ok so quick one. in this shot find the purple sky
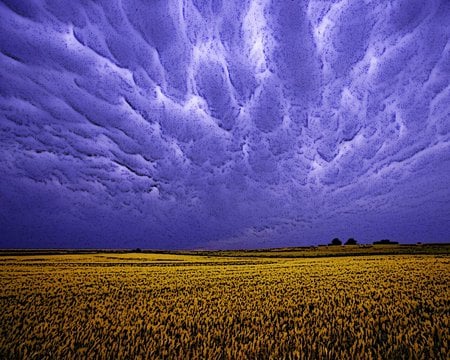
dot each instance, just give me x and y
(223, 124)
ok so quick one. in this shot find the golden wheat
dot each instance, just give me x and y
(145, 306)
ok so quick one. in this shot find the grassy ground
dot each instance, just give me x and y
(347, 250)
(291, 252)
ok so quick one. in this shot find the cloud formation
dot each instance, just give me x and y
(223, 124)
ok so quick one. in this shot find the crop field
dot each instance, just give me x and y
(168, 306)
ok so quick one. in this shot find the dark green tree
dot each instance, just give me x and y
(336, 241)
(351, 241)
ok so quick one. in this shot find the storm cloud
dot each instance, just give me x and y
(223, 124)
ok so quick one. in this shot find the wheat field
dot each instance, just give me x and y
(167, 306)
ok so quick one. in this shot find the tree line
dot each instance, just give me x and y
(352, 241)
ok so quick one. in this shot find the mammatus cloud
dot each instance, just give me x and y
(188, 124)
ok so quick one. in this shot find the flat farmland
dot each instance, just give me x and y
(172, 306)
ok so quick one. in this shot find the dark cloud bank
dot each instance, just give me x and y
(223, 124)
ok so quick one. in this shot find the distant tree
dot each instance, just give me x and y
(138, 250)
(336, 241)
(351, 241)
(385, 242)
